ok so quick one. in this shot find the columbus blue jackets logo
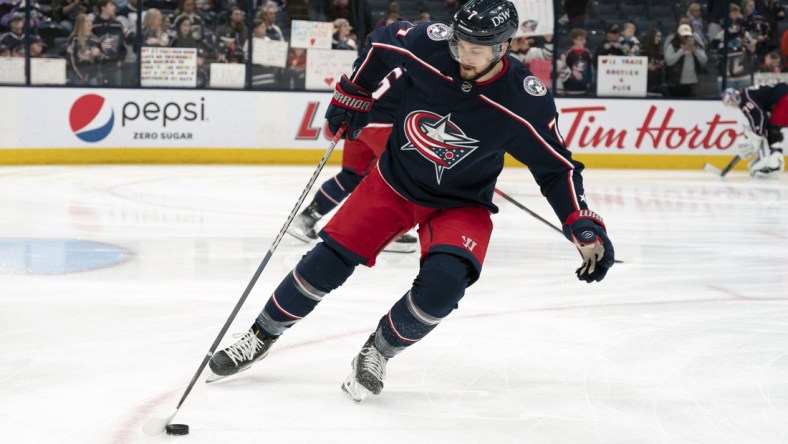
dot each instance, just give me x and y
(438, 140)
(438, 32)
(534, 86)
(91, 118)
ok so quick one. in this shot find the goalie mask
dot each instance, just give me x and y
(731, 97)
(479, 30)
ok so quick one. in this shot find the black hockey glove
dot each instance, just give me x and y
(349, 107)
(587, 231)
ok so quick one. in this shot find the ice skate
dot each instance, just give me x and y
(303, 226)
(403, 244)
(240, 356)
(368, 372)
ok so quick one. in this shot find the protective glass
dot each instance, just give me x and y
(470, 54)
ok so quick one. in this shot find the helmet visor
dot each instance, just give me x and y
(471, 54)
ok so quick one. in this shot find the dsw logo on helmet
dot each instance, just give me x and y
(486, 22)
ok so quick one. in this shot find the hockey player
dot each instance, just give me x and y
(465, 104)
(766, 110)
(359, 156)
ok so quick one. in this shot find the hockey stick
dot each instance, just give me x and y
(532, 213)
(722, 172)
(154, 426)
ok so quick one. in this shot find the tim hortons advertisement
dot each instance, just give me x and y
(598, 126)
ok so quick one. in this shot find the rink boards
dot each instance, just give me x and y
(164, 126)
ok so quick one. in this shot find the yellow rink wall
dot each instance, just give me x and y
(43, 126)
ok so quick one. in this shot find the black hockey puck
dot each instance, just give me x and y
(177, 429)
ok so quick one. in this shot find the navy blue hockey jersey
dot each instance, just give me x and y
(757, 101)
(450, 136)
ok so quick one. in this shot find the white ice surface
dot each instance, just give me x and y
(685, 342)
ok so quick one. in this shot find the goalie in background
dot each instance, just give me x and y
(766, 110)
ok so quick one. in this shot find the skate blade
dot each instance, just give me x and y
(300, 236)
(353, 390)
(213, 377)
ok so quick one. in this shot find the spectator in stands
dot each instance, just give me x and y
(4, 51)
(259, 31)
(652, 48)
(695, 14)
(758, 28)
(15, 35)
(66, 12)
(715, 15)
(630, 44)
(205, 9)
(232, 35)
(611, 46)
(36, 48)
(773, 63)
(578, 73)
(37, 15)
(390, 17)
(295, 74)
(424, 17)
(774, 12)
(684, 58)
(351, 10)
(189, 9)
(737, 49)
(268, 15)
(184, 37)
(153, 31)
(342, 38)
(111, 35)
(526, 49)
(84, 52)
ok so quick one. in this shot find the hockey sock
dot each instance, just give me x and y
(319, 272)
(336, 189)
(435, 293)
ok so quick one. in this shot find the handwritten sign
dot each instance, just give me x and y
(269, 53)
(306, 34)
(43, 71)
(174, 67)
(622, 76)
(228, 75)
(12, 70)
(324, 67)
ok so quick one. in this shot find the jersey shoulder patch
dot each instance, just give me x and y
(534, 86)
(438, 32)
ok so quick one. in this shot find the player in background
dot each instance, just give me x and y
(466, 103)
(766, 110)
(359, 156)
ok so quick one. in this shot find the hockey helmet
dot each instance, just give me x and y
(484, 22)
(731, 97)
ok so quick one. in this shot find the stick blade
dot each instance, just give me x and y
(712, 169)
(156, 426)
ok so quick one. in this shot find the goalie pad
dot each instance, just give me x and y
(768, 166)
(750, 144)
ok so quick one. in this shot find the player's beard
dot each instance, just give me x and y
(470, 72)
